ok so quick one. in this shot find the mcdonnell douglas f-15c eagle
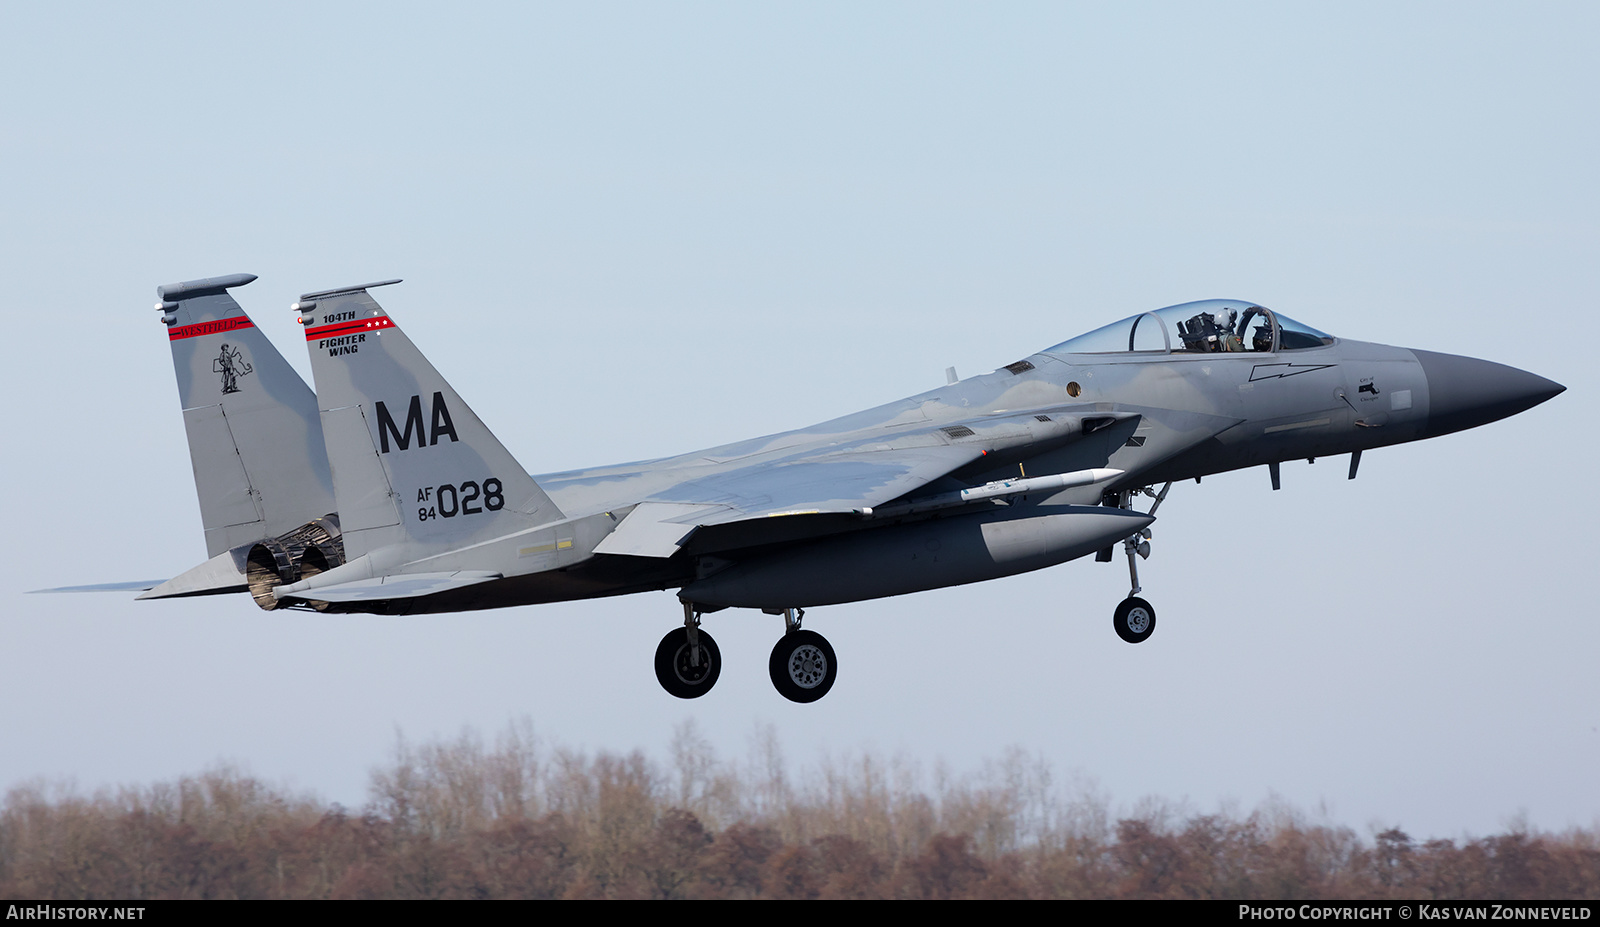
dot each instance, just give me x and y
(382, 491)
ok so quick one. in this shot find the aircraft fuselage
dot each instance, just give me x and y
(1034, 464)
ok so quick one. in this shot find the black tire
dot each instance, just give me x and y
(1135, 620)
(672, 664)
(803, 666)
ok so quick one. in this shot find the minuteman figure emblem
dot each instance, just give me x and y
(232, 365)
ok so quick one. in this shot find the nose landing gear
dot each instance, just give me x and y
(1135, 619)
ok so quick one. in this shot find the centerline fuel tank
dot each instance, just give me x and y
(997, 540)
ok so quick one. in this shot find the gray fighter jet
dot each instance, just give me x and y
(382, 491)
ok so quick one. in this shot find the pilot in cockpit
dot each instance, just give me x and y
(1210, 333)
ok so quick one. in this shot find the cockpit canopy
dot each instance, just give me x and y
(1210, 326)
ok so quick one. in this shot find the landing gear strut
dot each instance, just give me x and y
(1135, 619)
(687, 660)
(802, 666)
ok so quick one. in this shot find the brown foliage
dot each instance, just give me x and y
(457, 819)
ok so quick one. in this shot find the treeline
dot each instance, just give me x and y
(460, 819)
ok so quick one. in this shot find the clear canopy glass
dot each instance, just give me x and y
(1210, 326)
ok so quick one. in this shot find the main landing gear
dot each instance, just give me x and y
(1135, 619)
(687, 660)
(803, 666)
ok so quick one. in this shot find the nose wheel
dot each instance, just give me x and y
(803, 666)
(1134, 620)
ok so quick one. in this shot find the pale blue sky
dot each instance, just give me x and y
(634, 230)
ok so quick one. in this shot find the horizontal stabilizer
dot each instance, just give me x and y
(135, 586)
(397, 586)
(221, 574)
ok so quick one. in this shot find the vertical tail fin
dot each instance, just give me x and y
(255, 442)
(412, 464)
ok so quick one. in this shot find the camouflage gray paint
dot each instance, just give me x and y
(1028, 466)
(1170, 409)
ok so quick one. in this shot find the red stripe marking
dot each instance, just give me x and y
(349, 328)
(209, 328)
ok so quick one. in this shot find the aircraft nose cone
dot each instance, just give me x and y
(1465, 392)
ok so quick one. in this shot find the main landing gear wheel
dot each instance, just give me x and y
(678, 671)
(1135, 620)
(803, 666)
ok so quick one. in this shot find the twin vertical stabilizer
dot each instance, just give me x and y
(414, 469)
(255, 442)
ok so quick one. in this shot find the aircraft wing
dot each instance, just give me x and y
(831, 482)
(836, 474)
(829, 479)
(836, 482)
